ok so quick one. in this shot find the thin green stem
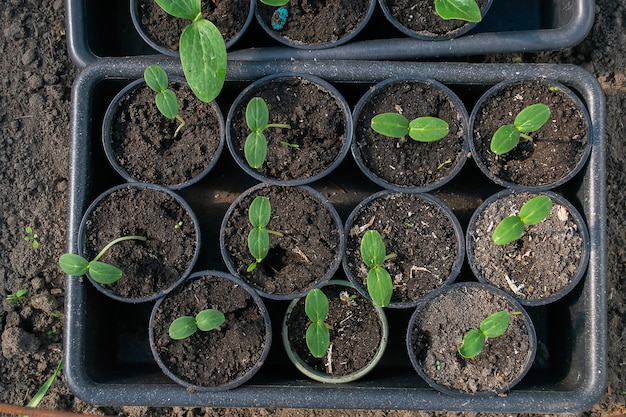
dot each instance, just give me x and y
(525, 136)
(180, 126)
(272, 232)
(119, 239)
(279, 125)
(391, 256)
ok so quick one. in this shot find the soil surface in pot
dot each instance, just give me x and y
(318, 128)
(151, 266)
(355, 334)
(229, 16)
(543, 262)
(419, 232)
(316, 22)
(420, 17)
(410, 163)
(438, 332)
(218, 356)
(297, 261)
(143, 139)
(557, 147)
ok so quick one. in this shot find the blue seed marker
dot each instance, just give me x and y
(279, 18)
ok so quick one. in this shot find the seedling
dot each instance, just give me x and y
(34, 402)
(467, 10)
(206, 320)
(202, 49)
(421, 129)
(179, 226)
(258, 238)
(101, 272)
(32, 237)
(17, 297)
(317, 332)
(257, 119)
(532, 212)
(374, 254)
(529, 120)
(492, 326)
(165, 99)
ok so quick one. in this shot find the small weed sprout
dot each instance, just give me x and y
(258, 238)
(34, 402)
(101, 272)
(165, 99)
(317, 332)
(467, 10)
(532, 212)
(374, 254)
(492, 326)
(421, 129)
(206, 320)
(529, 120)
(17, 296)
(32, 237)
(257, 119)
(179, 226)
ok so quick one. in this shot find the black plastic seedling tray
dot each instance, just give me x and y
(105, 29)
(108, 360)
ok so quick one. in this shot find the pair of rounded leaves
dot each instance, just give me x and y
(165, 99)
(77, 266)
(205, 320)
(374, 254)
(530, 119)
(493, 326)
(202, 49)
(317, 333)
(421, 129)
(467, 10)
(532, 212)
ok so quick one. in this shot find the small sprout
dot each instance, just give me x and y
(179, 225)
(467, 10)
(34, 402)
(438, 365)
(101, 272)
(257, 119)
(374, 254)
(317, 333)
(554, 88)
(291, 145)
(444, 163)
(165, 99)
(32, 237)
(529, 120)
(17, 297)
(258, 238)
(532, 212)
(493, 326)
(421, 129)
(206, 320)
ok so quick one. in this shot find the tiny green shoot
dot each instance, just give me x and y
(257, 119)
(165, 99)
(444, 163)
(206, 320)
(532, 212)
(34, 402)
(258, 238)
(101, 272)
(554, 88)
(529, 120)
(420, 129)
(317, 332)
(374, 254)
(32, 237)
(275, 2)
(467, 10)
(492, 326)
(179, 225)
(17, 297)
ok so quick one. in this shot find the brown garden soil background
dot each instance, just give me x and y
(35, 82)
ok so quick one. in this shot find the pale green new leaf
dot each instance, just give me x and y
(393, 125)
(532, 118)
(167, 103)
(467, 10)
(496, 324)
(535, 210)
(505, 139)
(209, 319)
(428, 129)
(508, 230)
(156, 78)
(472, 344)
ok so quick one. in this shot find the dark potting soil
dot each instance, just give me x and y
(218, 356)
(302, 257)
(557, 147)
(229, 16)
(355, 334)
(151, 266)
(541, 263)
(420, 17)
(143, 139)
(419, 232)
(438, 332)
(317, 123)
(410, 163)
(315, 22)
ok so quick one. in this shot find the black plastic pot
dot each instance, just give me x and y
(106, 30)
(108, 360)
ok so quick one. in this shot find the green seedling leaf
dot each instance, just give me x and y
(34, 402)
(316, 305)
(379, 286)
(428, 129)
(257, 119)
(74, 265)
(260, 211)
(185, 9)
(373, 249)
(255, 149)
(317, 334)
(535, 210)
(167, 103)
(317, 339)
(472, 344)
(156, 78)
(466, 10)
(393, 125)
(209, 319)
(182, 328)
(258, 244)
(275, 2)
(17, 297)
(259, 215)
(104, 273)
(505, 139)
(532, 118)
(257, 115)
(496, 324)
(508, 230)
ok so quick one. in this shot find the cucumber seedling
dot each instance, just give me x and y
(420, 129)
(32, 237)
(529, 120)
(532, 212)
(317, 332)
(257, 119)
(467, 10)
(374, 254)
(100, 272)
(165, 99)
(492, 326)
(259, 236)
(206, 320)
